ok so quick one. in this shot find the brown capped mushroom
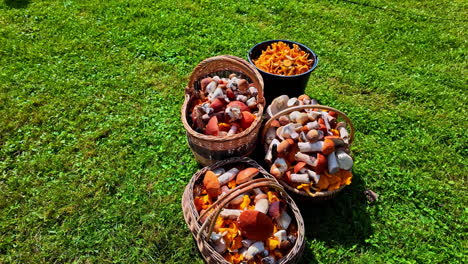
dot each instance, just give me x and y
(255, 225)
(246, 175)
(211, 184)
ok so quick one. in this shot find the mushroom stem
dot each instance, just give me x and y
(310, 147)
(261, 205)
(345, 161)
(299, 178)
(270, 135)
(284, 220)
(228, 176)
(232, 130)
(309, 160)
(230, 213)
(272, 151)
(281, 235)
(312, 175)
(332, 163)
(253, 250)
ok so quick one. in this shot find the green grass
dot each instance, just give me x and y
(93, 156)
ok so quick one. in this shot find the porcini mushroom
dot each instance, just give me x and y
(272, 151)
(285, 145)
(255, 225)
(345, 161)
(332, 163)
(253, 250)
(246, 175)
(211, 184)
(228, 176)
(279, 167)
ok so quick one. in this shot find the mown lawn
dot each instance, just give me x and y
(93, 156)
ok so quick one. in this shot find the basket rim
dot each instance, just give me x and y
(295, 191)
(190, 213)
(260, 99)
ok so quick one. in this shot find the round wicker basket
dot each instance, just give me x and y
(209, 149)
(294, 192)
(200, 230)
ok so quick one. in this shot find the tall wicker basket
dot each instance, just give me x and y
(209, 149)
(300, 195)
(200, 230)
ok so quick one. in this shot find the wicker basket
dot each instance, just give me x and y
(209, 149)
(294, 192)
(201, 231)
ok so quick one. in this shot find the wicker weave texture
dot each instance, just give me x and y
(200, 231)
(203, 146)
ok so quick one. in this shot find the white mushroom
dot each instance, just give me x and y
(253, 91)
(284, 220)
(211, 86)
(261, 203)
(345, 161)
(230, 213)
(270, 155)
(293, 102)
(241, 98)
(253, 250)
(310, 147)
(309, 160)
(281, 235)
(252, 102)
(299, 178)
(312, 175)
(232, 130)
(341, 126)
(278, 104)
(228, 176)
(270, 135)
(234, 113)
(332, 163)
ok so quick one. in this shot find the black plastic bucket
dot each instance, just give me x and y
(276, 85)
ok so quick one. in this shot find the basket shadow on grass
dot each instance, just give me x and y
(342, 221)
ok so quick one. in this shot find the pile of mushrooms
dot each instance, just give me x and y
(309, 150)
(224, 106)
(255, 227)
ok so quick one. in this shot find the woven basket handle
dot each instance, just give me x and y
(304, 107)
(211, 220)
(245, 67)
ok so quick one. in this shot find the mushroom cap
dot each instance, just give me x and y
(243, 85)
(322, 164)
(284, 145)
(212, 128)
(299, 166)
(328, 146)
(217, 105)
(247, 119)
(211, 184)
(275, 123)
(255, 225)
(303, 96)
(246, 175)
(241, 105)
(204, 82)
(339, 142)
(276, 209)
(313, 135)
(230, 94)
(284, 120)
(275, 171)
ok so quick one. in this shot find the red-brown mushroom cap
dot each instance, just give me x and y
(299, 166)
(255, 225)
(204, 82)
(321, 164)
(243, 85)
(217, 105)
(241, 105)
(246, 175)
(338, 141)
(275, 123)
(212, 128)
(230, 94)
(247, 119)
(211, 184)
